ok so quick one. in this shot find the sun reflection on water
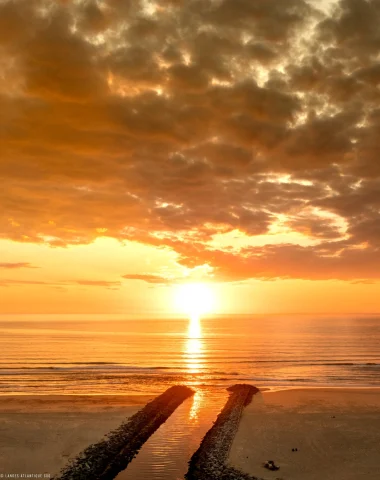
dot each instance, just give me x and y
(194, 345)
(198, 399)
(193, 355)
(193, 359)
(195, 329)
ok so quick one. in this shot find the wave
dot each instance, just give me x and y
(306, 364)
(89, 366)
(121, 366)
(67, 363)
(352, 364)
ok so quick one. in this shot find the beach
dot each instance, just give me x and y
(189, 217)
(336, 432)
(40, 434)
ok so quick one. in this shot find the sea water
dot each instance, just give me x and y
(71, 354)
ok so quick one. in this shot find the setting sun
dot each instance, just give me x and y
(194, 299)
(189, 227)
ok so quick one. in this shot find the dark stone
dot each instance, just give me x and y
(270, 465)
(104, 460)
(209, 461)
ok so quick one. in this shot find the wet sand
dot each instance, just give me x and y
(39, 434)
(336, 432)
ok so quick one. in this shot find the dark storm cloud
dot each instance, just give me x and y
(167, 122)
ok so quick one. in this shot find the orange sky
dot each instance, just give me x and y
(146, 144)
(90, 279)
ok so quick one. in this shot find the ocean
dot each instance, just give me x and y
(74, 354)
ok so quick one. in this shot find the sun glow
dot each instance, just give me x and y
(194, 299)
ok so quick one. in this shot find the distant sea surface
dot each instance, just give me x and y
(114, 355)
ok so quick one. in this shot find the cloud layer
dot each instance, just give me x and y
(112, 285)
(15, 265)
(170, 122)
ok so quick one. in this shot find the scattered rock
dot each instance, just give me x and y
(270, 465)
(209, 462)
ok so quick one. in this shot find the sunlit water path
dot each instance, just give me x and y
(166, 454)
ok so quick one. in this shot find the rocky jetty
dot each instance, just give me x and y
(209, 461)
(104, 460)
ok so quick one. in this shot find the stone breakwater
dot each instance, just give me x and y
(209, 461)
(104, 460)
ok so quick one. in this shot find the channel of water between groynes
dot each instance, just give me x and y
(165, 456)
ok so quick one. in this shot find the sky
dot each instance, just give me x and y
(149, 144)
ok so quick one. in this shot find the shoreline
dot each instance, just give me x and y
(132, 396)
(30, 404)
(315, 387)
(39, 404)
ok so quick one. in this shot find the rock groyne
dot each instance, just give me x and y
(209, 461)
(105, 459)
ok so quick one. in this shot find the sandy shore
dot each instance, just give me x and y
(39, 434)
(336, 432)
